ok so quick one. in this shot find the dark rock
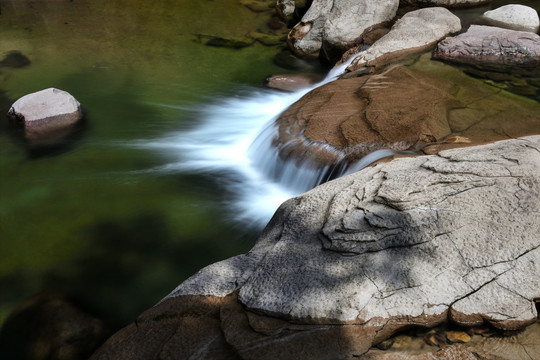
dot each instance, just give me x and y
(49, 326)
(15, 59)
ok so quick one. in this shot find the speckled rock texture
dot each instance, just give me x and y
(492, 48)
(46, 113)
(333, 26)
(415, 31)
(514, 17)
(452, 237)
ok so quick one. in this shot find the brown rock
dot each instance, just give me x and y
(47, 115)
(292, 82)
(457, 336)
(492, 48)
(50, 326)
(349, 118)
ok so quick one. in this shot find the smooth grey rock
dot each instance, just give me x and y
(415, 238)
(514, 17)
(46, 113)
(492, 48)
(415, 31)
(337, 25)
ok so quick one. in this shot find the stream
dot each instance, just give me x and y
(172, 169)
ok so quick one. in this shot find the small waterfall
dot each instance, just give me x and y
(235, 137)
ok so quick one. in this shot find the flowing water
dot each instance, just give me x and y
(172, 169)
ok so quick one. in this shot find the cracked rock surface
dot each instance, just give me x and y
(452, 237)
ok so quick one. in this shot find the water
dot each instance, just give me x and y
(90, 219)
(235, 136)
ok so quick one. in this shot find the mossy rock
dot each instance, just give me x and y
(269, 39)
(232, 42)
(258, 6)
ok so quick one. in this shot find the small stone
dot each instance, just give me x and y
(457, 336)
(435, 339)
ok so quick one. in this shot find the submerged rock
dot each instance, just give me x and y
(334, 26)
(492, 48)
(347, 119)
(415, 241)
(50, 326)
(514, 17)
(414, 32)
(47, 115)
(15, 59)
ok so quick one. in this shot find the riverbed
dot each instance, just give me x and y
(158, 182)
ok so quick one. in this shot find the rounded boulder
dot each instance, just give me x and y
(46, 114)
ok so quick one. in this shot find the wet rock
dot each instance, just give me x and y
(457, 336)
(49, 326)
(446, 3)
(285, 8)
(414, 32)
(287, 60)
(346, 265)
(292, 82)
(47, 116)
(514, 17)
(334, 26)
(233, 43)
(347, 119)
(15, 59)
(492, 48)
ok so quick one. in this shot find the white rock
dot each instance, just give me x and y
(45, 112)
(416, 30)
(415, 238)
(514, 17)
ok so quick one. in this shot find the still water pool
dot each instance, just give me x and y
(89, 220)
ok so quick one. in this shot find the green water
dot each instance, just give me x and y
(84, 220)
(87, 220)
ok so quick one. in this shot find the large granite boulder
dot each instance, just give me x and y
(400, 109)
(451, 237)
(514, 17)
(45, 115)
(446, 3)
(492, 48)
(415, 31)
(337, 25)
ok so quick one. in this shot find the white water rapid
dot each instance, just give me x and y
(234, 137)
